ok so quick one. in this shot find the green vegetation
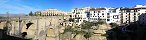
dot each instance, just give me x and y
(113, 25)
(85, 28)
(71, 19)
(31, 14)
(37, 13)
(30, 39)
(104, 35)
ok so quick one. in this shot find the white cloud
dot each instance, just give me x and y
(15, 7)
(3, 1)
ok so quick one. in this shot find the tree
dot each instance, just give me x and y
(88, 35)
(31, 14)
(38, 13)
(101, 22)
(71, 19)
(113, 25)
(85, 28)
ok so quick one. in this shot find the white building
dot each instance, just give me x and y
(142, 19)
(142, 14)
(80, 14)
(110, 15)
(136, 14)
(113, 15)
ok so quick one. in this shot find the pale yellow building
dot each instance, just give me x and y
(50, 12)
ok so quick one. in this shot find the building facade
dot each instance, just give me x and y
(136, 14)
(110, 15)
(113, 15)
(50, 12)
(129, 15)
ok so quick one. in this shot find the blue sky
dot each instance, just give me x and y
(25, 6)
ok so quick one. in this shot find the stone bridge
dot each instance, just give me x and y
(41, 28)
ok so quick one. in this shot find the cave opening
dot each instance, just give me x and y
(24, 34)
(28, 25)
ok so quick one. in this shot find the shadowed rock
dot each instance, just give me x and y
(28, 25)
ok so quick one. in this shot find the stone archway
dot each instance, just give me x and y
(51, 32)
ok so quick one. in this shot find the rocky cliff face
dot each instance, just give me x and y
(35, 27)
(48, 28)
(99, 34)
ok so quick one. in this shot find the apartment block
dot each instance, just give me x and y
(136, 14)
(142, 19)
(113, 15)
(80, 14)
(50, 12)
(129, 15)
(142, 14)
(109, 15)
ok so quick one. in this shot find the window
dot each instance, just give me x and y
(138, 13)
(134, 13)
(96, 18)
(129, 13)
(94, 11)
(134, 16)
(142, 22)
(59, 19)
(108, 19)
(135, 10)
(102, 13)
(128, 10)
(98, 11)
(108, 14)
(74, 10)
(116, 16)
(114, 11)
(126, 22)
(78, 15)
